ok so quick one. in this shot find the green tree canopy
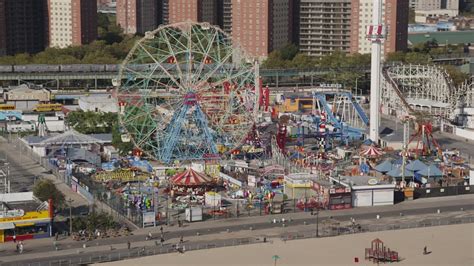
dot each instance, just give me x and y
(45, 190)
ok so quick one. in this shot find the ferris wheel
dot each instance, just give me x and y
(186, 91)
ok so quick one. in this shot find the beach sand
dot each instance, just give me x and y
(449, 245)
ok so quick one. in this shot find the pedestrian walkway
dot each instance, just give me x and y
(24, 171)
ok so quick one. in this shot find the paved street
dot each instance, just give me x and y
(24, 172)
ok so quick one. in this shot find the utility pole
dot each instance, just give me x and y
(317, 222)
(69, 201)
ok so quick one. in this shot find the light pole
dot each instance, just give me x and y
(70, 201)
(317, 221)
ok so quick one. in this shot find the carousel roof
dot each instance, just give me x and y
(190, 178)
(416, 165)
(431, 170)
(371, 151)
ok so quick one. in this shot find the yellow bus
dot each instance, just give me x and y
(47, 107)
(7, 107)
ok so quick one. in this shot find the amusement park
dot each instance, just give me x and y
(209, 139)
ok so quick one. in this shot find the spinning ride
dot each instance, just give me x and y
(186, 91)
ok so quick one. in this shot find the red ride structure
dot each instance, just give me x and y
(425, 140)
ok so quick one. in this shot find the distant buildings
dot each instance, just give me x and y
(324, 26)
(72, 22)
(435, 8)
(193, 10)
(137, 16)
(23, 26)
(261, 26)
(319, 27)
(395, 17)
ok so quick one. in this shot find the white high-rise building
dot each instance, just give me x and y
(72, 22)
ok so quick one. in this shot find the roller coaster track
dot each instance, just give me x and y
(397, 91)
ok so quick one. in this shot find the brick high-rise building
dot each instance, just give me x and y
(138, 16)
(324, 26)
(72, 22)
(23, 26)
(193, 10)
(395, 17)
(261, 26)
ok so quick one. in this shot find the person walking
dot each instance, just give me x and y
(181, 240)
(150, 236)
(56, 236)
(161, 230)
(14, 238)
(162, 240)
(21, 247)
(128, 244)
(17, 248)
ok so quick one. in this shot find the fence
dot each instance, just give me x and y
(324, 231)
(113, 204)
(442, 191)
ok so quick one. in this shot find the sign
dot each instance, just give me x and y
(372, 181)
(339, 190)
(251, 181)
(375, 33)
(12, 214)
(149, 218)
(333, 86)
(27, 216)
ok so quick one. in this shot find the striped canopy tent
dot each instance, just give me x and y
(190, 178)
(371, 151)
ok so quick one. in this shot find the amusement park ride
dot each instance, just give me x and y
(203, 103)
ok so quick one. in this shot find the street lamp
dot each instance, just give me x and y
(317, 221)
(70, 201)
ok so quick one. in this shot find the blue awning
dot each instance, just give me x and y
(384, 167)
(431, 170)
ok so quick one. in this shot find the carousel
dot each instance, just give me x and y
(190, 182)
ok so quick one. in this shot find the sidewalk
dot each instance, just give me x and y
(24, 170)
(271, 234)
(215, 229)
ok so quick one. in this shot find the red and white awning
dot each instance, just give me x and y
(371, 151)
(190, 178)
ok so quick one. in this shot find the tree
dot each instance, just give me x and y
(288, 52)
(456, 75)
(417, 58)
(45, 190)
(123, 147)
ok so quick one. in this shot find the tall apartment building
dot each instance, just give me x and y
(325, 26)
(224, 15)
(261, 26)
(23, 26)
(163, 12)
(72, 22)
(193, 10)
(395, 17)
(138, 16)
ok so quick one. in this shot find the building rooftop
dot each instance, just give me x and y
(442, 37)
